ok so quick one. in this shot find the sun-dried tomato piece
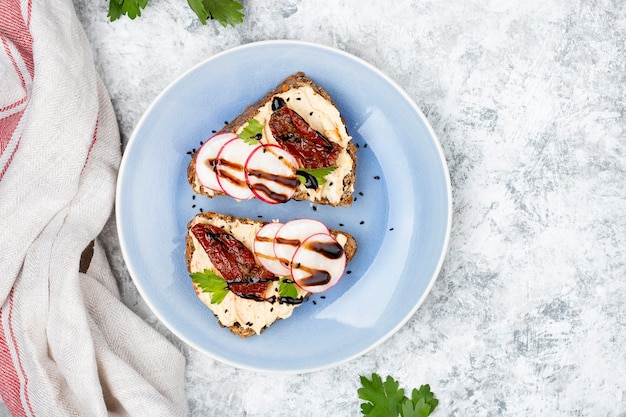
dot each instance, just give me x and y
(252, 290)
(292, 132)
(234, 261)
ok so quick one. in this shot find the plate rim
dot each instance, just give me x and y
(123, 167)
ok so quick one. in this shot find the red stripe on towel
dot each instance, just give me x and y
(14, 28)
(10, 385)
(93, 142)
(15, 31)
(7, 128)
(14, 105)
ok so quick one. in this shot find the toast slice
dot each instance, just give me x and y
(310, 101)
(245, 316)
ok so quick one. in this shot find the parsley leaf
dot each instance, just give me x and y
(314, 177)
(227, 12)
(422, 400)
(210, 282)
(419, 409)
(224, 11)
(131, 8)
(115, 10)
(386, 399)
(382, 398)
(252, 132)
(287, 288)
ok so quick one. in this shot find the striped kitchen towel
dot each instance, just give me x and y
(68, 345)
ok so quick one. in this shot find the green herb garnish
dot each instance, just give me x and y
(131, 8)
(252, 132)
(287, 288)
(227, 12)
(386, 399)
(314, 177)
(210, 282)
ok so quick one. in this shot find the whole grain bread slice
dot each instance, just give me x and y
(232, 225)
(295, 81)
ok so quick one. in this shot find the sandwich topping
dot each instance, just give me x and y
(291, 131)
(322, 117)
(234, 261)
(266, 277)
(299, 142)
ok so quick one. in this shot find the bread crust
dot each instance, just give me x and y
(350, 249)
(296, 80)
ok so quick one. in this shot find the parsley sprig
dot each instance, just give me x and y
(386, 399)
(212, 283)
(287, 288)
(314, 177)
(226, 12)
(252, 132)
(131, 8)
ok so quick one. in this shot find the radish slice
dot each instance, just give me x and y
(231, 160)
(271, 174)
(264, 249)
(318, 263)
(292, 234)
(207, 157)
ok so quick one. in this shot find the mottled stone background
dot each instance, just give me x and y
(528, 98)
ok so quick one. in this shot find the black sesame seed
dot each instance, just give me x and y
(314, 303)
(348, 272)
(271, 309)
(193, 150)
(298, 98)
(355, 198)
(314, 208)
(341, 224)
(213, 131)
(360, 193)
(259, 216)
(193, 197)
(189, 153)
(361, 222)
(365, 145)
(391, 228)
(330, 184)
(225, 122)
(288, 98)
(358, 146)
(201, 143)
(376, 177)
(194, 206)
(323, 297)
(311, 114)
(200, 209)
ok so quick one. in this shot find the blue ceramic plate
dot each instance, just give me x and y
(401, 215)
